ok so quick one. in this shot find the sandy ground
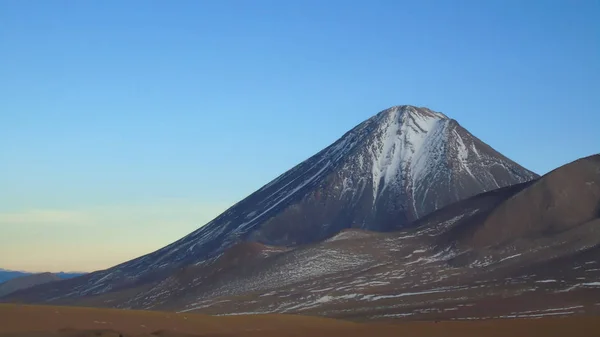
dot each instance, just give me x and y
(38, 321)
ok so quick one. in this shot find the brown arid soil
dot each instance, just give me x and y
(38, 321)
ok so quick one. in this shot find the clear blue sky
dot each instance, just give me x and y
(124, 125)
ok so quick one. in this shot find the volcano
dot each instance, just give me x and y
(387, 172)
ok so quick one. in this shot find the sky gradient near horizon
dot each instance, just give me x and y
(125, 125)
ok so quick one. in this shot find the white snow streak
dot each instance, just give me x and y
(404, 148)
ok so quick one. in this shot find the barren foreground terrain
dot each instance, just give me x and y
(38, 321)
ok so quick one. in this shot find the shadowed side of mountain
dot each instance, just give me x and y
(560, 201)
(559, 207)
(465, 210)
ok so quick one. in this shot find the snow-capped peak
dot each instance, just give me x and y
(405, 139)
(414, 110)
(396, 167)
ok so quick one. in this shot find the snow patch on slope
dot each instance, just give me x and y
(405, 146)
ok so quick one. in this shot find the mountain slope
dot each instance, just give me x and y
(544, 262)
(445, 267)
(394, 168)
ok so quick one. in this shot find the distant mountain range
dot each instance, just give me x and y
(6, 275)
(27, 281)
(408, 215)
(11, 281)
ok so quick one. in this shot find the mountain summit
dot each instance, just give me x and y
(394, 168)
(401, 164)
